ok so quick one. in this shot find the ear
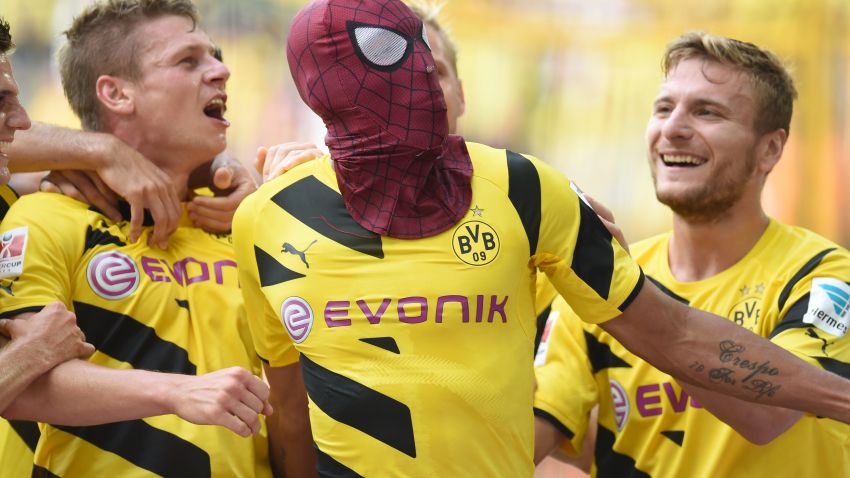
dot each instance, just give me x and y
(462, 98)
(115, 94)
(770, 149)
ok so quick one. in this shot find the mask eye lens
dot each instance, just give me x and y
(380, 46)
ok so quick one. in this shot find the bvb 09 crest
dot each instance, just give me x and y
(475, 243)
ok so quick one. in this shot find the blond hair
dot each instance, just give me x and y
(774, 88)
(103, 41)
(429, 12)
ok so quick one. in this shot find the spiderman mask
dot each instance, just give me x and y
(366, 69)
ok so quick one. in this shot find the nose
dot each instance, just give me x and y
(16, 116)
(677, 125)
(218, 72)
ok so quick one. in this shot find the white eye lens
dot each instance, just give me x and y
(425, 37)
(381, 47)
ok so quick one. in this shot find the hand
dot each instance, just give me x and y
(607, 218)
(52, 333)
(231, 397)
(231, 179)
(130, 175)
(273, 161)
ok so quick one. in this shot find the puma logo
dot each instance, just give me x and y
(290, 249)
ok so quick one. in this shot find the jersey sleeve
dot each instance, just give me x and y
(271, 341)
(814, 313)
(566, 388)
(40, 244)
(587, 266)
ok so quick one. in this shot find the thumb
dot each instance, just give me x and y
(223, 177)
(5, 326)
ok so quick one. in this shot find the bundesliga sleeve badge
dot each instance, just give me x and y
(13, 245)
(829, 302)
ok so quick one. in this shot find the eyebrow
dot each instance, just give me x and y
(698, 102)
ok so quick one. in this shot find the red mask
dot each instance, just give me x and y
(366, 68)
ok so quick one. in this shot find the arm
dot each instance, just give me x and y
(120, 167)
(290, 438)
(38, 343)
(706, 350)
(78, 393)
(759, 424)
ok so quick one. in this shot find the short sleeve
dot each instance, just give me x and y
(271, 341)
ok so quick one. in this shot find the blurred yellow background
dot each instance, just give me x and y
(570, 81)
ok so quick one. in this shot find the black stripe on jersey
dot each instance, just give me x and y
(323, 210)
(601, 356)
(541, 326)
(386, 343)
(125, 210)
(360, 407)
(610, 463)
(183, 304)
(330, 468)
(4, 208)
(100, 237)
(22, 310)
(634, 293)
(668, 292)
(28, 431)
(793, 318)
(805, 270)
(39, 472)
(147, 447)
(593, 258)
(124, 338)
(835, 366)
(555, 422)
(524, 193)
(271, 271)
(676, 436)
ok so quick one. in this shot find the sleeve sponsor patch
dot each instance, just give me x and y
(828, 306)
(543, 349)
(13, 245)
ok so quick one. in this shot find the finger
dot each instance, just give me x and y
(260, 160)
(600, 208)
(137, 216)
(47, 186)
(86, 350)
(259, 389)
(164, 223)
(100, 196)
(4, 327)
(211, 225)
(232, 423)
(223, 177)
(294, 159)
(248, 416)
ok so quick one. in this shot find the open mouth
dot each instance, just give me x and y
(216, 108)
(681, 161)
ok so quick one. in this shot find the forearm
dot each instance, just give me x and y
(757, 423)
(78, 393)
(290, 436)
(711, 352)
(19, 367)
(45, 147)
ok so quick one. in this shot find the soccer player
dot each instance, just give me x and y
(718, 127)
(146, 73)
(399, 272)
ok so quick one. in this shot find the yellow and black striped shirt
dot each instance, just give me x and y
(176, 311)
(417, 354)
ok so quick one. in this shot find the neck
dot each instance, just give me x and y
(701, 249)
